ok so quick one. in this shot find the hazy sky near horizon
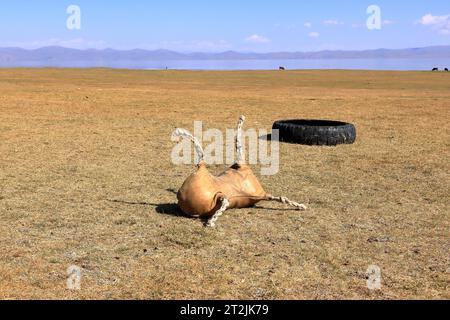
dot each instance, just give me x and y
(212, 26)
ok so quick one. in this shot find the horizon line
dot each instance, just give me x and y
(219, 52)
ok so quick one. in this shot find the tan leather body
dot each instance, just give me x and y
(200, 194)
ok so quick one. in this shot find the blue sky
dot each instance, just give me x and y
(241, 25)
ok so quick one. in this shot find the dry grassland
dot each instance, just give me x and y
(86, 179)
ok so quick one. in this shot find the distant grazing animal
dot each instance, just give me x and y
(282, 68)
(446, 69)
(435, 69)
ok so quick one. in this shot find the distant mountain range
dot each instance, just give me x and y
(13, 56)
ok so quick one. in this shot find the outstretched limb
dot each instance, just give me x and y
(285, 200)
(238, 141)
(212, 221)
(182, 133)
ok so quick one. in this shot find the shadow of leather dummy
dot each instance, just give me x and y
(206, 196)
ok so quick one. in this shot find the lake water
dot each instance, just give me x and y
(363, 64)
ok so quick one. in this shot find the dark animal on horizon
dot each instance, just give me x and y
(282, 68)
(446, 69)
(435, 69)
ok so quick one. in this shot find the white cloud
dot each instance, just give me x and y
(314, 34)
(308, 25)
(256, 38)
(332, 22)
(429, 19)
(439, 23)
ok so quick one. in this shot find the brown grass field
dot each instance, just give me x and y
(86, 179)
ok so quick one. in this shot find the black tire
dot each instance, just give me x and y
(315, 132)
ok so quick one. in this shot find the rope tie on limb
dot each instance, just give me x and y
(238, 141)
(182, 133)
(212, 221)
(285, 200)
